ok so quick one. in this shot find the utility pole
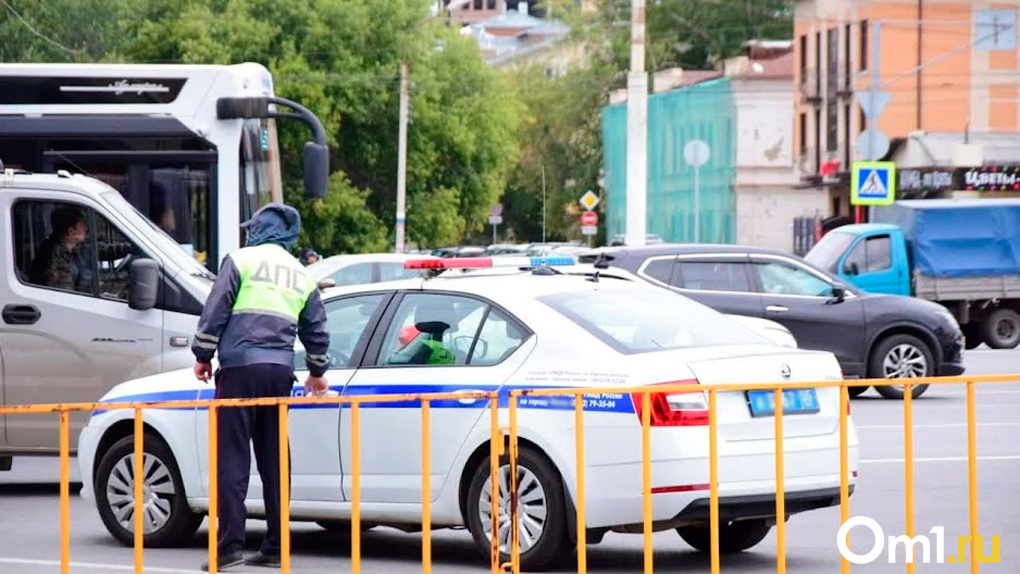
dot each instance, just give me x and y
(637, 128)
(402, 159)
(543, 203)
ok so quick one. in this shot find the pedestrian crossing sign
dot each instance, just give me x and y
(873, 183)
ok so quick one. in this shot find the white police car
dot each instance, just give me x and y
(530, 329)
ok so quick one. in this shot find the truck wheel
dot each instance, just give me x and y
(1001, 329)
(169, 521)
(898, 357)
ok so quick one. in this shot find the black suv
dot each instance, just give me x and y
(872, 335)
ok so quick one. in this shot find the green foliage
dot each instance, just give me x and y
(341, 59)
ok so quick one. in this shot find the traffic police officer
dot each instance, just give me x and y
(261, 299)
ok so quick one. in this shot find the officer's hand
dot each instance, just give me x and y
(316, 385)
(203, 371)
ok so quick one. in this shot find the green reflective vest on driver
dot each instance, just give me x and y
(272, 282)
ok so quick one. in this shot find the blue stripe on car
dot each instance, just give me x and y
(609, 402)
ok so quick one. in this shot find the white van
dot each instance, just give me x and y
(94, 294)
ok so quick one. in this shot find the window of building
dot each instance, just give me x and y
(995, 30)
(818, 139)
(847, 143)
(864, 45)
(803, 134)
(479, 4)
(803, 59)
(818, 63)
(847, 77)
(832, 86)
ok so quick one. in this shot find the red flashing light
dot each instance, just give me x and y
(674, 409)
(455, 263)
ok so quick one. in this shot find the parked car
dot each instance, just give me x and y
(528, 330)
(872, 335)
(344, 270)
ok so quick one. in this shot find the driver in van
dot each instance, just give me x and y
(62, 262)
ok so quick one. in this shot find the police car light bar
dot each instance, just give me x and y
(486, 262)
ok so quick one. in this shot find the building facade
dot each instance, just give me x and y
(946, 67)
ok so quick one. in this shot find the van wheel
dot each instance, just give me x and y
(733, 537)
(901, 357)
(169, 522)
(1001, 329)
(542, 518)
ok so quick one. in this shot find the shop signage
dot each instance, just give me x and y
(924, 179)
(989, 178)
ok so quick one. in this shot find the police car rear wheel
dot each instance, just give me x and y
(168, 520)
(733, 537)
(542, 521)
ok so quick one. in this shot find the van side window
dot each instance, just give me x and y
(872, 254)
(115, 255)
(65, 246)
(52, 244)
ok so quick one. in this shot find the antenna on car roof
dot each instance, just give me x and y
(601, 261)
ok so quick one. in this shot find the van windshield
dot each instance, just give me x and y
(167, 245)
(826, 253)
(644, 320)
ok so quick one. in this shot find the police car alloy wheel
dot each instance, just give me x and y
(168, 519)
(733, 536)
(542, 531)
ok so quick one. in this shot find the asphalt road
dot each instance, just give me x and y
(29, 507)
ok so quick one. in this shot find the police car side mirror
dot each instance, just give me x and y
(326, 283)
(144, 287)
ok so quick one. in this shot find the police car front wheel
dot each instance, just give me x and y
(541, 510)
(167, 519)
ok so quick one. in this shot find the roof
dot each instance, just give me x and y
(682, 249)
(745, 68)
(61, 181)
(932, 149)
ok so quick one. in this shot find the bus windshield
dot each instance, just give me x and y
(171, 248)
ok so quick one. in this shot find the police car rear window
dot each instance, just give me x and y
(649, 320)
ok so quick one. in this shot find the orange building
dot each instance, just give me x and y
(948, 67)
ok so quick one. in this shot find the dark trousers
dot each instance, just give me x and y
(238, 428)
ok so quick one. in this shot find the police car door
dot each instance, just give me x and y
(427, 342)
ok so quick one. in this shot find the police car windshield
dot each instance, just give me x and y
(648, 320)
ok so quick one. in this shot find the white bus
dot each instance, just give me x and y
(193, 147)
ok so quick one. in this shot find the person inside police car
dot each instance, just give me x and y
(261, 299)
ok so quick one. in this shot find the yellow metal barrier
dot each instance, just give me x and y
(497, 452)
(777, 388)
(283, 403)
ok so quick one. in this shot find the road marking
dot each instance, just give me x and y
(941, 425)
(980, 392)
(940, 459)
(94, 565)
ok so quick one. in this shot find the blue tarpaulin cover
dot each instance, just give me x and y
(959, 237)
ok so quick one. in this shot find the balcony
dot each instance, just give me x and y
(807, 164)
(844, 80)
(810, 86)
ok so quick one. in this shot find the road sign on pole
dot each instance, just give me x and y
(589, 218)
(589, 230)
(873, 183)
(589, 200)
(696, 154)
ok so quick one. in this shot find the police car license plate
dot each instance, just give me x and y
(795, 402)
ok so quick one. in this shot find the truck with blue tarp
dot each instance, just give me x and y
(961, 253)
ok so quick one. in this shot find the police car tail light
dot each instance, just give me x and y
(489, 262)
(674, 409)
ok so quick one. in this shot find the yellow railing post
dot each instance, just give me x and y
(139, 474)
(515, 540)
(844, 467)
(646, 478)
(65, 493)
(908, 461)
(495, 450)
(780, 488)
(582, 524)
(713, 478)
(284, 488)
(426, 489)
(214, 494)
(972, 470)
(355, 487)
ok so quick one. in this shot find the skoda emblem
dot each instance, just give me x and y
(784, 370)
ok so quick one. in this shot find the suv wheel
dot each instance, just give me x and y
(168, 520)
(901, 357)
